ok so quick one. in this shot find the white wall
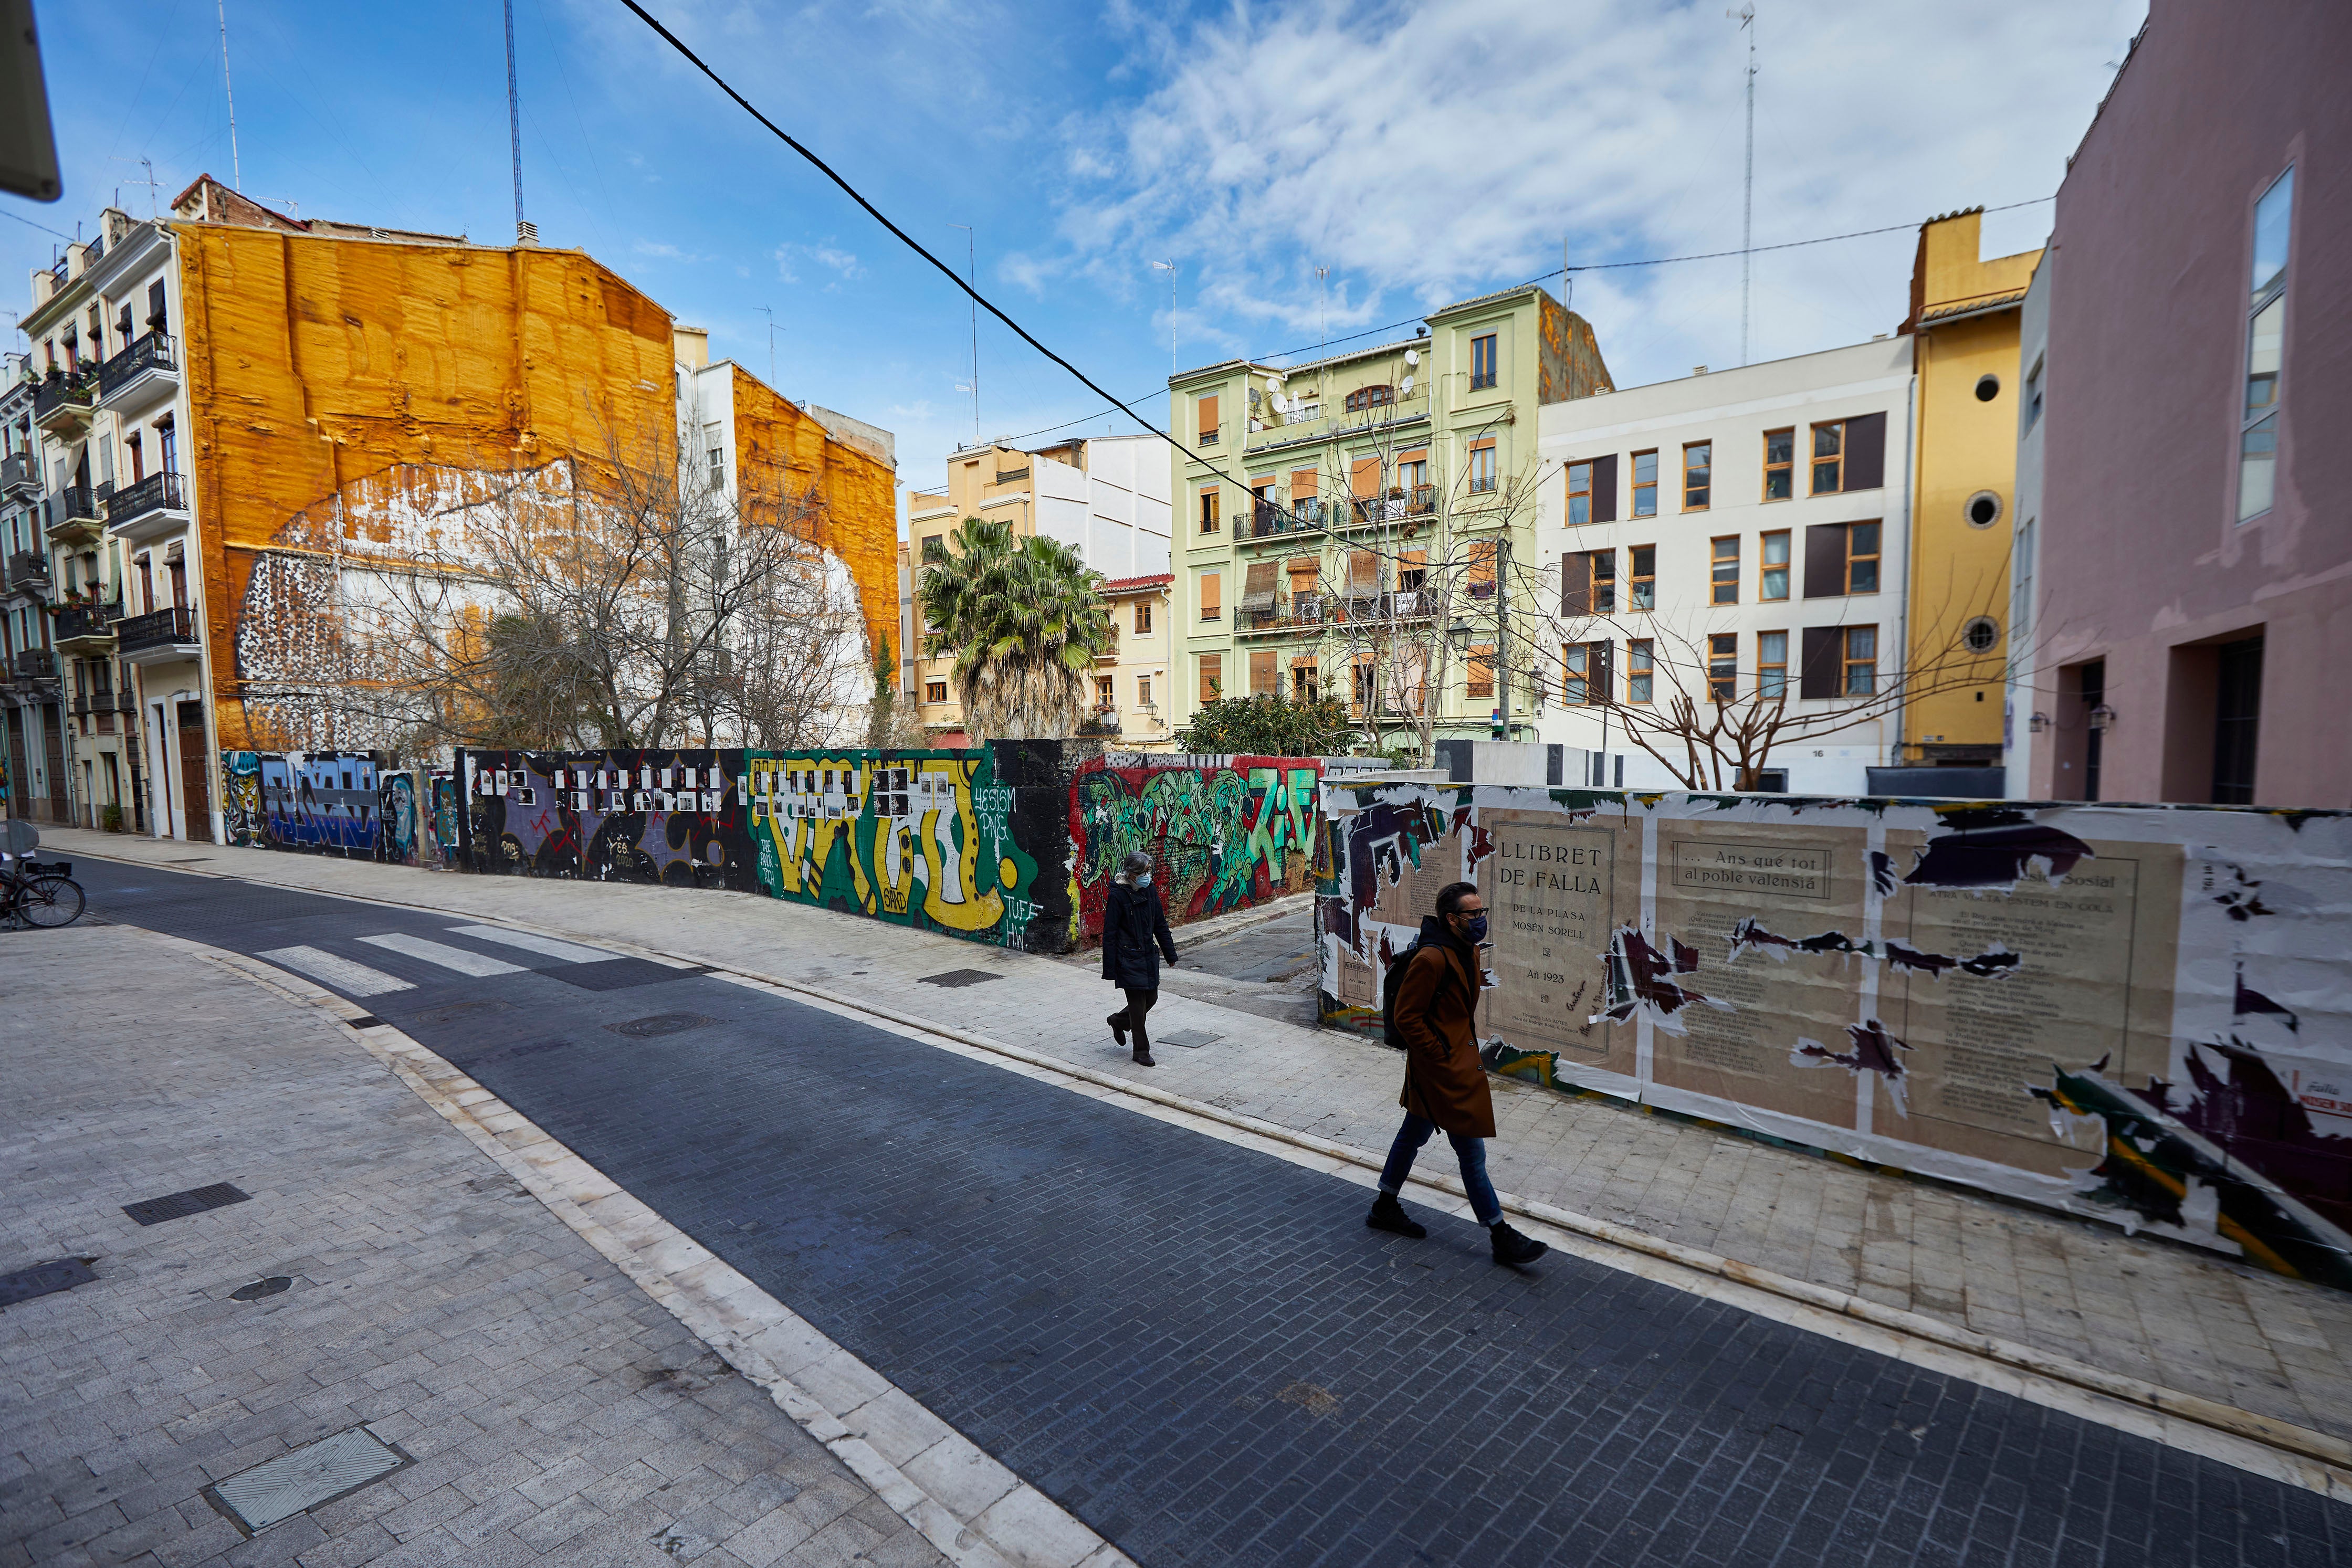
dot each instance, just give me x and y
(2022, 700)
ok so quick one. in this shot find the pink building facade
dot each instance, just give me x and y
(2193, 585)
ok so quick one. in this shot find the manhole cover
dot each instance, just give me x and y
(294, 1483)
(960, 978)
(1191, 1039)
(659, 1024)
(272, 1286)
(180, 1205)
(44, 1279)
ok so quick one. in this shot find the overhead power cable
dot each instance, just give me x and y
(45, 228)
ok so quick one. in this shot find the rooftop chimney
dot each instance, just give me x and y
(526, 233)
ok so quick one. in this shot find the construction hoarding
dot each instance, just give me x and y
(2137, 1013)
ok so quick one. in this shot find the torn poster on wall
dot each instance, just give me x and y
(2139, 1013)
(676, 817)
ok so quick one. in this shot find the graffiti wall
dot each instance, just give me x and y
(2134, 1013)
(675, 817)
(353, 804)
(1224, 833)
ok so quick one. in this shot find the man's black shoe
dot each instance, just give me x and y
(1117, 1022)
(1389, 1215)
(1514, 1249)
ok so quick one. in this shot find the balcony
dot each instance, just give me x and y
(149, 368)
(1270, 518)
(86, 629)
(159, 637)
(1103, 720)
(35, 665)
(28, 572)
(1304, 613)
(20, 475)
(73, 516)
(62, 403)
(158, 498)
(102, 702)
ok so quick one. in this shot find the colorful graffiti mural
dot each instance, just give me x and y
(675, 817)
(2134, 1013)
(1223, 832)
(353, 804)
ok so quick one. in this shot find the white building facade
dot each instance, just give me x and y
(1742, 533)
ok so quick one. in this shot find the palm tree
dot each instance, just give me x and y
(1024, 622)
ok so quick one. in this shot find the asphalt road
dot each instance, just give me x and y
(1199, 1349)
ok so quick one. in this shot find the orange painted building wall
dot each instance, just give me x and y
(780, 449)
(313, 363)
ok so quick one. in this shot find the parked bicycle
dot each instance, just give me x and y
(34, 893)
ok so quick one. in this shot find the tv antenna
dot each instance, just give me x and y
(972, 275)
(153, 207)
(236, 168)
(524, 231)
(1746, 16)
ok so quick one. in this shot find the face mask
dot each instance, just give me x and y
(1143, 879)
(1473, 927)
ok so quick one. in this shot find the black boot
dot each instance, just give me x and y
(1512, 1248)
(1117, 1022)
(1389, 1215)
(1143, 1055)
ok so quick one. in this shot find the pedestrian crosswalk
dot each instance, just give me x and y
(530, 942)
(345, 975)
(441, 952)
(355, 978)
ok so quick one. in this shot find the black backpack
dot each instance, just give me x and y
(1389, 987)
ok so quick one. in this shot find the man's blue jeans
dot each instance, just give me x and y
(1471, 1152)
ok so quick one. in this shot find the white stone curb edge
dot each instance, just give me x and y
(977, 1512)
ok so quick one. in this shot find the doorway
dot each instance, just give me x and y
(195, 773)
(2237, 720)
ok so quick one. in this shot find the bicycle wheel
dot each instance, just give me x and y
(51, 901)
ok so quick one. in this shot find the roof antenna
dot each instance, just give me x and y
(526, 233)
(1747, 19)
(235, 170)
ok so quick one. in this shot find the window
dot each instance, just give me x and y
(1722, 667)
(1587, 582)
(1482, 671)
(1482, 361)
(1482, 468)
(1988, 388)
(1364, 398)
(1579, 494)
(1698, 471)
(935, 548)
(935, 691)
(1209, 510)
(1142, 616)
(1779, 451)
(1723, 584)
(1773, 583)
(1644, 587)
(1639, 671)
(1143, 691)
(1106, 692)
(1860, 674)
(1213, 676)
(1576, 687)
(1212, 596)
(1207, 422)
(1862, 558)
(2265, 345)
(714, 452)
(1263, 680)
(1302, 683)
(1841, 557)
(1829, 455)
(1645, 484)
(1484, 558)
(2033, 395)
(1771, 663)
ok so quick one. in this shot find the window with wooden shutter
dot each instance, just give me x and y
(1305, 484)
(1485, 474)
(1258, 595)
(1306, 588)
(1412, 575)
(1865, 452)
(1208, 423)
(1482, 671)
(1363, 584)
(1824, 561)
(1859, 667)
(1210, 509)
(1829, 458)
(1213, 589)
(1587, 582)
(1213, 676)
(1862, 558)
(1482, 569)
(1364, 478)
(1263, 680)
(1579, 494)
(1823, 648)
(1604, 489)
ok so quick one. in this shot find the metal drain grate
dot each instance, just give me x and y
(297, 1482)
(1191, 1039)
(261, 1288)
(960, 978)
(365, 1020)
(44, 1279)
(659, 1024)
(180, 1205)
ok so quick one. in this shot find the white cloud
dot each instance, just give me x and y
(844, 263)
(1426, 154)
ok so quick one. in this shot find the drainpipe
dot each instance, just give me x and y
(1911, 544)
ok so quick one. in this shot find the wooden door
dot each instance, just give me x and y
(195, 773)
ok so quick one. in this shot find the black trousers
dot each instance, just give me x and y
(1131, 1017)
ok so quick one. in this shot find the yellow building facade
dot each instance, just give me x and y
(1964, 328)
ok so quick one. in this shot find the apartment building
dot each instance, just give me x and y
(2192, 565)
(1740, 537)
(32, 750)
(1340, 516)
(1963, 329)
(1130, 681)
(1105, 496)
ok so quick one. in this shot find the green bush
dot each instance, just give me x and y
(110, 819)
(1267, 727)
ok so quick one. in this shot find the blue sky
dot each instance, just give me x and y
(1420, 153)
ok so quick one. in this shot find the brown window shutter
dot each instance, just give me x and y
(1364, 478)
(1305, 483)
(1576, 584)
(1865, 452)
(1263, 682)
(1208, 414)
(1820, 675)
(1604, 489)
(1824, 561)
(1600, 671)
(1213, 585)
(1258, 588)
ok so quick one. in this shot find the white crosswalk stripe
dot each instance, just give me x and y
(350, 978)
(569, 952)
(448, 958)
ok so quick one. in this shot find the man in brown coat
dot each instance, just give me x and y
(1445, 1082)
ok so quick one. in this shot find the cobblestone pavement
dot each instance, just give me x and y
(2179, 1318)
(555, 1414)
(1196, 1347)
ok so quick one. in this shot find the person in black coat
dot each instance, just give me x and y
(1135, 935)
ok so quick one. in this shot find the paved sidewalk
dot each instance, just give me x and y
(556, 1415)
(2148, 1310)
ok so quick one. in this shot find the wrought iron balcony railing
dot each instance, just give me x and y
(156, 629)
(152, 351)
(159, 492)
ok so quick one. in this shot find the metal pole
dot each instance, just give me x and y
(236, 168)
(1503, 666)
(971, 274)
(1747, 198)
(514, 119)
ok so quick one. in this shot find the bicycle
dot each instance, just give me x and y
(34, 895)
